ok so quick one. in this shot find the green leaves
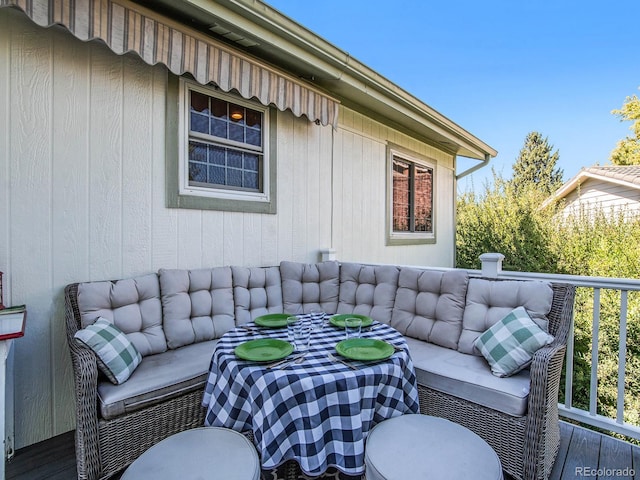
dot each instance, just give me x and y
(510, 221)
(627, 150)
(535, 167)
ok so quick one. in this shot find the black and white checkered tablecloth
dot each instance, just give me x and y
(318, 412)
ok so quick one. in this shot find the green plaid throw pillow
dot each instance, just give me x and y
(117, 356)
(509, 345)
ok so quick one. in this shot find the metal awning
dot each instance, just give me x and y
(128, 27)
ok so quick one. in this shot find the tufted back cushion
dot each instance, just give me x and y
(429, 305)
(132, 304)
(368, 290)
(307, 287)
(197, 304)
(257, 291)
(489, 301)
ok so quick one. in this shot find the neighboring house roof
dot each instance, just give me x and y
(627, 176)
(311, 74)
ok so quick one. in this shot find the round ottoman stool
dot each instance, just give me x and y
(205, 453)
(419, 446)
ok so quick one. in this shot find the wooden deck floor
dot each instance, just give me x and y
(583, 454)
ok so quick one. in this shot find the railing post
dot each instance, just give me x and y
(491, 264)
(327, 254)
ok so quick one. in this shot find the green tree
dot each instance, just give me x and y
(627, 151)
(499, 220)
(535, 166)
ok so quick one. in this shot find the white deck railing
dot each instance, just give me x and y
(492, 267)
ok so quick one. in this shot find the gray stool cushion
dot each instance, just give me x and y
(198, 454)
(425, 447)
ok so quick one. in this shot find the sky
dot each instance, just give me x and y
(499, 68)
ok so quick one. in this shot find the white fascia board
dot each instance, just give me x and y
(357, 82)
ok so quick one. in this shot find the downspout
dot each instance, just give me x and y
(469, 171)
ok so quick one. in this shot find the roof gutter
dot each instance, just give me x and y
(295, 48)
(483, 163)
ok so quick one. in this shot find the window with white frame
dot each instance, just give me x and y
(224, 151)
(411, 199)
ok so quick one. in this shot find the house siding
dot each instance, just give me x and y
(82, 177)
(593, 195)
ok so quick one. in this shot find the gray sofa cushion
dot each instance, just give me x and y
(197, 304)
(132, 304)
(368, 290)
(489, 301)
(158, 378)
(307, 287)
(257, 291)
(429, 305)
(469, 377)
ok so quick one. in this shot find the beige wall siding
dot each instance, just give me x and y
(82, 195)
(608, 197)
(360, 208)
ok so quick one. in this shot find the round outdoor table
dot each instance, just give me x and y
(426, 447)
(317, 412)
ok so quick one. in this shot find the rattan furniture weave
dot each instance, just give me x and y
(104, 447)
(527, 445)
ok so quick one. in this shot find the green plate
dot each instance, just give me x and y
(272, 320)
(364, 349)
(263, 349)
(338, 320)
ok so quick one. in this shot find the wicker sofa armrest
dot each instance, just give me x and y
(546, 369)
(85, 375)
(542, 417)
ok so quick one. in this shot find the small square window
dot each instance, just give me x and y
(225, 157)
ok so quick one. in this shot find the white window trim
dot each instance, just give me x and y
(183, 127)
(409, 238)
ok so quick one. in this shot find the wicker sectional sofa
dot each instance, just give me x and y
(174, 318)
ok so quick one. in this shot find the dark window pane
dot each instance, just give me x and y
(423, 199)
(197, 172)
(251, 162)
(234, 177)
(216, 175)
(401, 196)
(236, 132)
(251, 180)
(199, 123)
(197, 152)
(254, 137)
(234, 159)
(199, 102)
(254, 119)
(217, 155)
(219, 108)
(218, 127)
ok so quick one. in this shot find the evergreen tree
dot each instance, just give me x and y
(627, 151)
(535, 167)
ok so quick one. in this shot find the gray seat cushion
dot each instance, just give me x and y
(197, 304)
(469, 377)
(257, 291)
(159, 377)
(368, 290)
(429, 305)
(489, 301)
(420, 446)
(307, 287)
(132, 304)
(205, 453)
